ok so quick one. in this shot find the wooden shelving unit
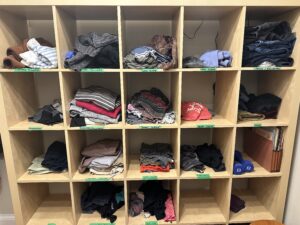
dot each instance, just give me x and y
(199, 199)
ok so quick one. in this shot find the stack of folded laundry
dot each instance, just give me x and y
(94, 51)
(215, 58)
(192, 111)
(95, 104)
(252, 107)
(189, 160)
(54, 161)
(160, 53)
(154, 200)
(102, 158)
(48, 114)
(156, 157)
(269, 44)
(105, 198)
(150, 107)
(31, 53)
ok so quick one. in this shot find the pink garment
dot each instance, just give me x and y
(98, 109)
(169, 211)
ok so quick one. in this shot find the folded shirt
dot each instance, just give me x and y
(105, 147)
(192, 111)
(37, 168)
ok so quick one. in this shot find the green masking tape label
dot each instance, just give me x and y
(205, 126)
(151, 70)
(92, 70)
(257, 125)
(149, 177)
(97, 179)
(267, 68)
(27, 70)
(91, 127)
(51, 223)
(208, 69)
(102, 223)
(35, 128)
(203, 176)
(150, 127)
(151, 223)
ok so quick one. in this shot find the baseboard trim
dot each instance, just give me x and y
(7, 219)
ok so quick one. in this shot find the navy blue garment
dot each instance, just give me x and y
(56, 157)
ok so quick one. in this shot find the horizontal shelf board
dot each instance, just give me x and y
(150, 70)
(29, 70)
(199, 207)
(32, 126)
(259, 171)
(254, 209)
(209, 69)
(140, 220)
(44, 178)
(150, 126)
(95, 218)
(216, 121)
(56, 209)
(209, 173)
(133, 172)
(87, 177)
(98, 127)
(267, 68)
(263, 123)
(92, 70)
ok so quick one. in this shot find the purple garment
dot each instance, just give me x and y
(216, 58)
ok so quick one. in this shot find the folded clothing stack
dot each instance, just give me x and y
(94, 51)
(269, 44)
(215, 58)
(32, 53)
(103, 157)
(153, 199)
(54, 161)
(103, 197)
(189, 160)
(161, 53)
(156, 157)
(259, 107)
(48, 114)
(95, 104)
(192, 111)
(236, 204)
(150, 107)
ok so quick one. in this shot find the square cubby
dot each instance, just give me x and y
(152, 154)
(46, 203)
(32, 94)
(40, 156)
(259, 152)
(212, 147)
(110, 209)
(163, 94)
(270, 37)
(96, 88)
(150, 21)
(254, 199)
(103, 146)
(144, 196)
(267, 95)
(19, 24)
(212, 28)
(217, 92)
(92, 22)
(204, 201)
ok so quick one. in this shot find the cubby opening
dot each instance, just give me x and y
(28, 145)
(260, 196)
(77, 20)
(78, 140)
(46, 203)
(216, 91)
(94, 218)
(168, 83)
(147, 22)
(74, 81)
(19, 23)
(209, 28)
(204, 201)
(171, 185)
(256, 15)
(134, 140)
(25, 93)
(277, 83)
(222, 138)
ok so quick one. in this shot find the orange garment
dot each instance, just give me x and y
(154, 168)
